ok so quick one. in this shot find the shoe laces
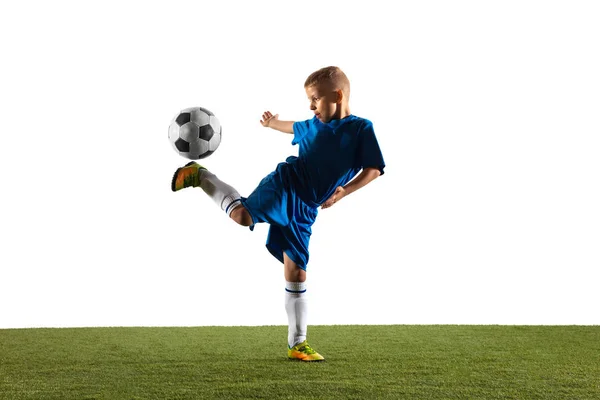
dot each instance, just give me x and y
(306, 349)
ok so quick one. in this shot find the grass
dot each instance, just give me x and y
(363, 362)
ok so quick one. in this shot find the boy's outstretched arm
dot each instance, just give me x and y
(272, 121)
(366, 175)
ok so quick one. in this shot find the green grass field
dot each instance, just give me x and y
(363, 362)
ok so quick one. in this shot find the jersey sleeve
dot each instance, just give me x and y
(370, 155)
(300, 130)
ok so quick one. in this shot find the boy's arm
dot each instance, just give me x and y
(272, 121)
(367, 175)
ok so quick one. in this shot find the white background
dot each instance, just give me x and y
(487, 113)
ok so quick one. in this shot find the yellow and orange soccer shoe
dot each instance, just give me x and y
(186, 176)
(303, 352)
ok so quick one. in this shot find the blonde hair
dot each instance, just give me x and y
(332, 76)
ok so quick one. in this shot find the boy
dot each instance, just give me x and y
(334, 147)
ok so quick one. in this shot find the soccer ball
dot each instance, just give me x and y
(195, 133)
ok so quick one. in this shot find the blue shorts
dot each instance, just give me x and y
(275, 201)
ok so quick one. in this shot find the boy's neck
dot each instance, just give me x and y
(343, 113)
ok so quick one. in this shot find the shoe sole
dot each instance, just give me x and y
(177, 172)
(301, 360)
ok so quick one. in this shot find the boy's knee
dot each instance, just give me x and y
(241, 216)
(292, 272)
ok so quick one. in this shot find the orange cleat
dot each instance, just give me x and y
(186, 176)
(303, 352)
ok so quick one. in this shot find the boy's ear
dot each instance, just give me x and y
(339, 96)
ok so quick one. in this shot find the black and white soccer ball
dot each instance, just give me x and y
(195, 133)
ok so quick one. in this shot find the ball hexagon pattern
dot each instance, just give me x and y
(195, 133)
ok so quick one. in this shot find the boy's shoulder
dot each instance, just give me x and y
(363, 120)
(357, 118)
(353, 122)
(349, 124)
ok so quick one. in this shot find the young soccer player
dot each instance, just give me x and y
(338, 154)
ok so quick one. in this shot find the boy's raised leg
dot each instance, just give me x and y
(195, 175)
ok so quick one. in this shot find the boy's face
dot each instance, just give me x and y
(324, 102)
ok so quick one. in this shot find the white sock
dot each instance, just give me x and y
(224, 195)
(296, 307)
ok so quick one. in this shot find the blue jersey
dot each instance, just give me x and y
(331, 154)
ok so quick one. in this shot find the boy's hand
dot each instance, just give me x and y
(339, 193)
(267, 118)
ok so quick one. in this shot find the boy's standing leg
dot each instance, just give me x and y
(297, 311)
